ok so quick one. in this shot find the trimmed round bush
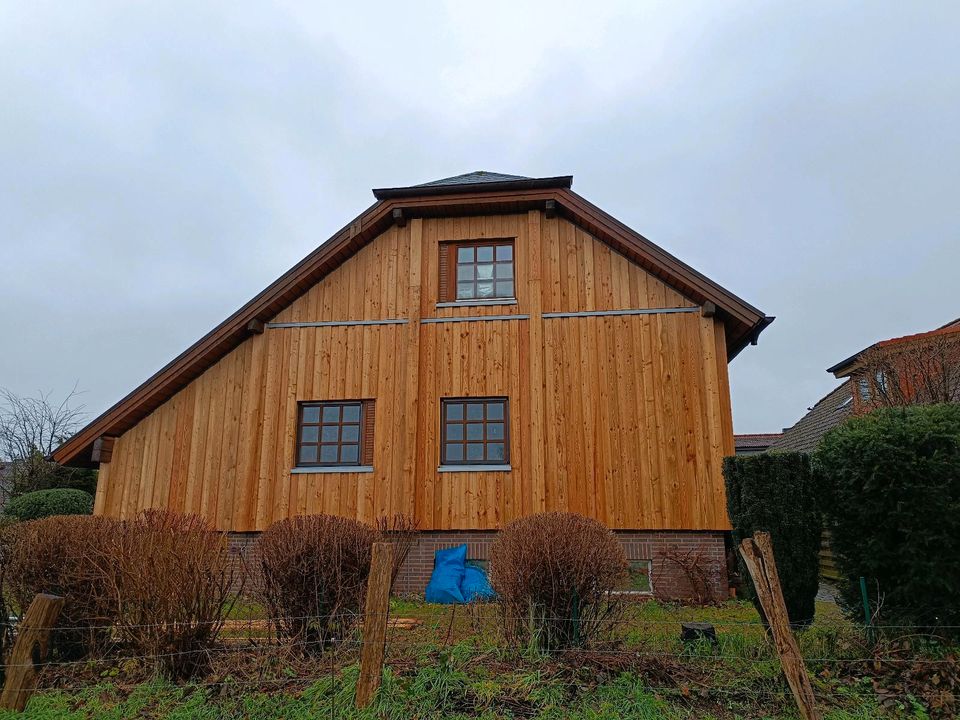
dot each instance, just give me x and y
(555, 574)
(893, 482)
(313, 574)
(777, 492)
(47, 503)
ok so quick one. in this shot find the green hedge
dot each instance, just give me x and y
(893, 483)
(776, 492)
(44, 503)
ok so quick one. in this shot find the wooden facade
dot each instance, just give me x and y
(621, 417)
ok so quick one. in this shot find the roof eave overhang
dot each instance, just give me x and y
(743, 323)
(560, 181)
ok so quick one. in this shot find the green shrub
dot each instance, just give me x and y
(892, 480)
(776, 492)
(46, 503)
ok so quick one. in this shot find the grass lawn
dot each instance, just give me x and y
(454, 665)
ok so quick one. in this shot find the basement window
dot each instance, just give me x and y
(477, 271)
(333, 435)
(475, 434)
(638, 578)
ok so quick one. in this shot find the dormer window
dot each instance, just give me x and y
(476, 271)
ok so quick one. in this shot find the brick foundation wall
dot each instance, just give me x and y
(668, 550)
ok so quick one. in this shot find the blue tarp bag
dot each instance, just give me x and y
(448, 572)
(476, 586)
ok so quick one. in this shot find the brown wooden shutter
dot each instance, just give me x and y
(445, 285)
(366, 432)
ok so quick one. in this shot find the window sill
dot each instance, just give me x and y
(477, 303)
(473, 468)
(332, 469)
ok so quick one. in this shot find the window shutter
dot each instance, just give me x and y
(445, 292)
(366, 432)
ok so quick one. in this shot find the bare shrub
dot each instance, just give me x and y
(696, 568)
(53, 555)
(555, 574)
(314, 572)
(172, 577)
(402, 532)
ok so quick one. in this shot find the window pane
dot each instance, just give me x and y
(484, 272)
(331, 413)
(505, 288)
(465, 255)
(454, 411)
(485, 289)
(454, 452)
(328, 453)
(495, 451)
(484, 254)
(464, 290)
(350, 433)
(474, 431)
(494, 431)
(454, 431)
(351, 413)
(308, 454)
(475, 451)
(465, 272)
(309, 433)
(349, 453)
(495, 411)
(474, 411)
(504, 252)
(505, 271)
(311, 414)
(330, 433)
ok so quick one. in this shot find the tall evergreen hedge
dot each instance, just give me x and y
(776, 492)
(893, 484)
(45, 503)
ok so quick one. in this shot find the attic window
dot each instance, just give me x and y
(477, 270)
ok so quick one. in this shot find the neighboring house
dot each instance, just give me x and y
(829, 412)
(465, 352)
(914, 369)
(754, 443)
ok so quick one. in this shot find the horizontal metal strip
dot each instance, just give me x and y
(474, 318)
(337, 323)
(637, 311)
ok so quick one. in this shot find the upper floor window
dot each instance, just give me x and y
(332, 434)
(863, 387)
(475, 432)
(476, 271)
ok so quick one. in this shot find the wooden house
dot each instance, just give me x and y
(466, 352)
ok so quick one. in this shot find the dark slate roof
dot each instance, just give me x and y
(805, 435)
(472, 178)
(756, 442)
(477, 181)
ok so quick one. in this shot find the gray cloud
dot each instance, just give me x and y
(161, 164)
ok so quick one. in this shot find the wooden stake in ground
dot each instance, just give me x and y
(30, 650)
(758, 555)
(375, 623)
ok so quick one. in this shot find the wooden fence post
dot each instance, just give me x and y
(29, 650)
(758, 555)
(374, 635)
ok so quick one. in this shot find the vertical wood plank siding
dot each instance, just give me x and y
(622, 417)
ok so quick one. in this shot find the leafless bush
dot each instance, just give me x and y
(401, 531)
(172, 578)
(53, 555)
(695, 569)
(314, 572)
(555, 574)
(6, 555)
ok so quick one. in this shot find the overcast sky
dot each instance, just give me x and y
(162, 163)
